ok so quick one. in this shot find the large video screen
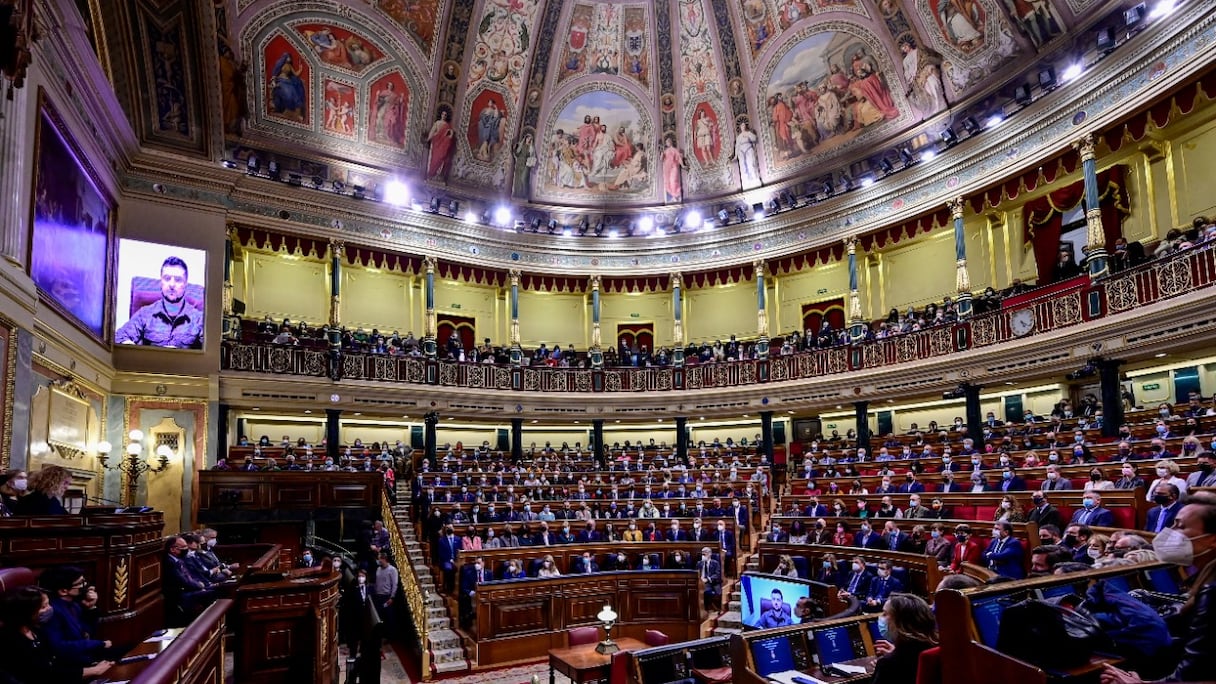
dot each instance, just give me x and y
(160, 295)
(770, 601)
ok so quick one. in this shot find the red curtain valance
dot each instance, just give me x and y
(471, 274)
(1042, 217)
(545, 283)
(1016, 186)
(1161, 114)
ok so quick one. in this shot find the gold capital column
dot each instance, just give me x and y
(336, 248)
(430, 346)
(856, 325)
(517, 353)
(597, 352)
(230, 327)
(1095, 234)
(677, 315)
(962, 279)
(761, 310)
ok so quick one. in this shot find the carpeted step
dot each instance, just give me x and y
(731, 619)
(726, 631)
(445, 639)
(449, 666)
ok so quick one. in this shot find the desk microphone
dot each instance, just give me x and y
(118, 507)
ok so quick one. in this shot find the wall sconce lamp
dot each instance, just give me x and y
(134, 464)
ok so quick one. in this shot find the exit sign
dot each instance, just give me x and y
(822, 290)
(634, 315)
(830, 426)
(1150, 386)
(455, 306)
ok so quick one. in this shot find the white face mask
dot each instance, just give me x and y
(1173, 546)
(1163, 472)
(1094, 553)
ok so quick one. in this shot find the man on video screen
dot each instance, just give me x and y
(170, 321)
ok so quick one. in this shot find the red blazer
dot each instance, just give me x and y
(970, 552)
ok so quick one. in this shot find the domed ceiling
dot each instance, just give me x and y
(590, 103)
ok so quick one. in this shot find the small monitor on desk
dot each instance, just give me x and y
(1164, 580)
(875, 635)
(835, 644)
(773, 654)
(987, 615)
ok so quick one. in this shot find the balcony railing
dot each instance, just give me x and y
(1087, 302)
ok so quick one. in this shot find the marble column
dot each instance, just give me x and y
(761, 310)
(766, 435)
(962, 279)
(974, 411)
(1095, 234)
(677, 328)
(597, 352)
(856, 324)
(861, 412)
(430, 347)
(597, 441)
(517, 352)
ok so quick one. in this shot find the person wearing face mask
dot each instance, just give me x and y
(909, 628)
(1168, 505)
(1055, 481)
(218, 570)
(548, 568)
(74, 617)
(29, 658)
(881, 587)
(307, 559)
(827, 571)
(939, 546)
(1190, 543)
(857, 582)
(967, 549)
(1008, 510)
(1091, 512)
(46, 490)
(867, 538)
(1010, 482)
(185, 595)
(1205, 471)
(12, 486)
(1167, 472)
(1004, 553)
(1043, 513)
(1128, 478)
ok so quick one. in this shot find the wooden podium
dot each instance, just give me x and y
(287, 623)
(120, 554)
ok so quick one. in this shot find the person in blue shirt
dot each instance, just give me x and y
(881, 587)
(1004, 554)
(73, 625)
(857, 582)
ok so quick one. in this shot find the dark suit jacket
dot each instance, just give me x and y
(37, 503)
(873, 541)
(1048, 515)
(1006, 559)
(881, 588)
(1014, 484)
(712, 570)
(1098, 517)
(902, 541)
(1156, 511)
(449, 549)
(70, 632)
(857, 585)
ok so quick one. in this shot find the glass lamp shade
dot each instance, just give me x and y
(607, 615)
(104, 448)
(134, 449)
(136, 435)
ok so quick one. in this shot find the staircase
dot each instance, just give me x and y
(731, 622)
(445, 645)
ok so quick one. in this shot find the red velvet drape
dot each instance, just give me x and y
(1043, 217)
(642, 333)
(814, 314)
(463, 327)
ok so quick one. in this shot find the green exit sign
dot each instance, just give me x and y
(455, 306)
(1150, 386)
(830, 426)
(822, 290)
(634, 315)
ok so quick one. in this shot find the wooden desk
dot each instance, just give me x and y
(583, 664)
(866, 662)
(137, 659)
(286, 627)
(190, 655)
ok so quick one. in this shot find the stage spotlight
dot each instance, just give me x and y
(502, 216)
(1163, 8)
(566, 232)
(905, 154)
(317, 182)
(338, 186)
(612, 234)
(887, 167)
(454, 207)
(846, 183)
(583, 226)
(1134, 15)
(396, 193)
(1047, 78)
(774, 207)
(996, 119)
(692, 219)
(645, 224)
(358, 192)
(928, 154)
(275, 172)
(253, 165)
(675, 228)
(229, 164)
(740, 214)
(599, 227)
(758, 211)
(971, 125)
(723, 217)
(1072, 71)
(1106, 40)
(949, 137)
(535, 225)
(295, 179)
(828, 189)
(867, 181)
(1022, 94)
(552, 226)
(434, 205)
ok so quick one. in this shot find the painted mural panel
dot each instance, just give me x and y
(759, 23)
(340, 105)
(388, 103)
(637, 52)
(700, 74)
(418, 17)
(166, 46)
(599, 145)
(961, 22)
(704, 126)
(1039, 20)
(338, 47)
(706, 134)
(825, 93)
(286, 81)
(606, 39)
(487, 131)
(969, 39)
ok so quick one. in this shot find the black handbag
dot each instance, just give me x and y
(1049, 635)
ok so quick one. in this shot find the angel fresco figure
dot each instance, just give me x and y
(287, 88)
(673, 163)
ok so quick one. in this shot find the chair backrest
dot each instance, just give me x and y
(11, 578)
(654, 637)
(583, 635)
(619, 670)
(929, 666)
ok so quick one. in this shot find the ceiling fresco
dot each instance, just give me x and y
(587, 103)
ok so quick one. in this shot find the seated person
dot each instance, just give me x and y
(548, 568)
(29, 658)
(857, 582)
(184, 594)
(881, 588)
(74, 617)
(215, 567)
(908, 628)
(514, 570)
(47, 487)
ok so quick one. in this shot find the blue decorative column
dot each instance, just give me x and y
(1095, 249)
(430, 347)
(761, 311)
(677, 328)
(334, 335)
(517, 353)
(597, 353)
(962, 279)
(857, 327)
(230, 327)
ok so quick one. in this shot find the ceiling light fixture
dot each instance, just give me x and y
(396, 193)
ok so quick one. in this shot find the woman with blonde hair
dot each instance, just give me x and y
(47, 487)
(548, 568)
(785, 567)
(1167, 473)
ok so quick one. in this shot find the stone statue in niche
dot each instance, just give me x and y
(745, 155)
(524, 152)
